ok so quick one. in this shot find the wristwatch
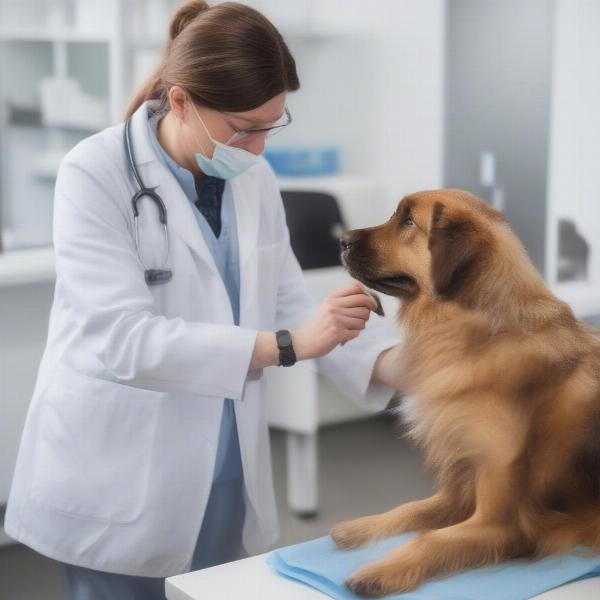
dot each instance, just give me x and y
(287, 356)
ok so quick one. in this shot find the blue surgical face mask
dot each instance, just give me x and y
(227, 161)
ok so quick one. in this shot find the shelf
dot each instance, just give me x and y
(32, 265)
(29, 34)
(324, 181)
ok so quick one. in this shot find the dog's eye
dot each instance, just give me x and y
(408, 221)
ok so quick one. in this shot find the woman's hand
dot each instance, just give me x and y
(340, 318)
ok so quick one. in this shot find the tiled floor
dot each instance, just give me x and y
(365, 467)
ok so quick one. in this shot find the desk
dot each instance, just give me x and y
(252, 579)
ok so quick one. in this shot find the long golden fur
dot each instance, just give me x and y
(502, 388)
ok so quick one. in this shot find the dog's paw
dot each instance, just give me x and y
(343, 536)
(383, 578)
(352, 534)
(366, 588)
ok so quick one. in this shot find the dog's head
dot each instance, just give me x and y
(436, 243)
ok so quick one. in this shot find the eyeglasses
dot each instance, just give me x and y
(246, 134)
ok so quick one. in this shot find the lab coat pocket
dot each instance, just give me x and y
(94, 446)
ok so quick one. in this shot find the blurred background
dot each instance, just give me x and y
(499, 97)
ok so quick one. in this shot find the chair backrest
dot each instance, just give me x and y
(315, 222)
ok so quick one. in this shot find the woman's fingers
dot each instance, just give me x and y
(356, 294)
(356, 300)
(350, 335)
(353, 288)
(352, 323)
(359, 312)
(354, 305)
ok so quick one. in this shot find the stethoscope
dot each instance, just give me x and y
(152, 276)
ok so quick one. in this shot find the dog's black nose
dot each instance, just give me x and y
(348, 238)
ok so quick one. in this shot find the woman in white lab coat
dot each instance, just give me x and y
(145, 451)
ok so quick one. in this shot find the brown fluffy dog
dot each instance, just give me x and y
(504, 396)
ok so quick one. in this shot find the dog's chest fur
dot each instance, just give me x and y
(439, 429)
(415, 417)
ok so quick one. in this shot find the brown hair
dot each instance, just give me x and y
(228, 57)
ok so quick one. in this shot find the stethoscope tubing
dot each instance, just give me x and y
(140, 193)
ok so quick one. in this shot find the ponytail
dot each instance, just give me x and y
(184, 16)
(228, 57)
(149, 90)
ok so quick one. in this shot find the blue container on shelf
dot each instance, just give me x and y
(303, 160)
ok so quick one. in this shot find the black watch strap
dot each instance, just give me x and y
(287, 356)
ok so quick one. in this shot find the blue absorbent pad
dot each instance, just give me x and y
(320, 564)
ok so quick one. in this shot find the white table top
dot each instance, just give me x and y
(249, 578)
(253, 579)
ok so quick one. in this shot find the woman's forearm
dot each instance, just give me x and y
(388, 369)
(266, 352)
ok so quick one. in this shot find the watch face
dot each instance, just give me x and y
(284, 339)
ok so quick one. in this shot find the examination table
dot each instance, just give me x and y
(253, 579)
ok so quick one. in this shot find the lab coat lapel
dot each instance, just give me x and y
(154, 173)
(247, 217)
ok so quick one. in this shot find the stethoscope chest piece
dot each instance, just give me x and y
(158, 276)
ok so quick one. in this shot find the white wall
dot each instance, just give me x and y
(371, 81)
(409, 111)
(575, 129)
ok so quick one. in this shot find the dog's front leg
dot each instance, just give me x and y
(434, 553)
(488, 536)
(439, 510)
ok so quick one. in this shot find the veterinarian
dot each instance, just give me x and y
(146, 450)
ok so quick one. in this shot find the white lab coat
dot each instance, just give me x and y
(115, 463)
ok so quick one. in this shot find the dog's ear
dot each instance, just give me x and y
(455, 243)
